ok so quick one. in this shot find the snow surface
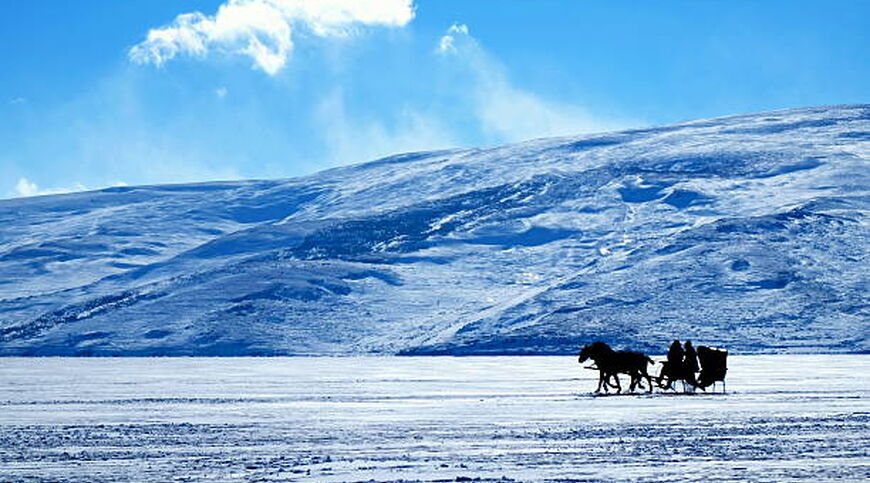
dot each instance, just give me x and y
(785, 417)
(748, 232)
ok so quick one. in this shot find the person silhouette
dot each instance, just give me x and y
(671, 370)
(675, 353)
(690, 364)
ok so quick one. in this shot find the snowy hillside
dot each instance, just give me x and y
(748, 232)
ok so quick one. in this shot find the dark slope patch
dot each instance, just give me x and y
(682, 199)
(416, 227)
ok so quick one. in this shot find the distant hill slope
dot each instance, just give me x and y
(748, 232)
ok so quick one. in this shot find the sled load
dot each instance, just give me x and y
(713, 366)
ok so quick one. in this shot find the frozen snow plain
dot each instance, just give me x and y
(527, 418)
(748, 232)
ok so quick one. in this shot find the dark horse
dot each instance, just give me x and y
(610, 363)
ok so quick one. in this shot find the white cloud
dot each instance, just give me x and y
(221, 92)
(25, 188)
(506, 112)
(263, 29)
(446, 44)
(458, 28)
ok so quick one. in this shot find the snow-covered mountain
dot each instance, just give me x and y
(748, 232)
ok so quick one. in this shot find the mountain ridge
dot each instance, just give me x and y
(747, 231)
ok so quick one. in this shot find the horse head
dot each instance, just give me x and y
(593, 351)
(584, 354)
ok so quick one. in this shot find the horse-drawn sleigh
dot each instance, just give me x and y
(701, 368)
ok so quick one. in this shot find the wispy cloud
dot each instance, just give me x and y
(26, 187)
(505, 111)
(353, 139)
(456, 94)
(264, 29)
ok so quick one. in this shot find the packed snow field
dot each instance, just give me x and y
(424, 419)
(747, 231)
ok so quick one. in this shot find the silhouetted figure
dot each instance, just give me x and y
(672, 367)
(610, 363)
(690, 364)
(714, 366)
(675, 353)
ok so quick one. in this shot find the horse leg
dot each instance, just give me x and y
(638, 380)
(607, 382)
(639, 374)
(615, 378)
(604, 380)
(666, 380)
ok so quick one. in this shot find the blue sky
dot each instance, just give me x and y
(280, 88)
